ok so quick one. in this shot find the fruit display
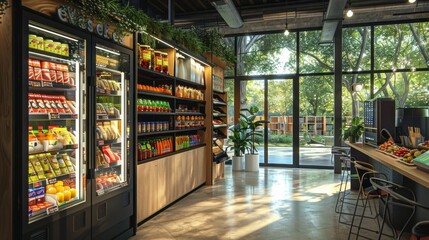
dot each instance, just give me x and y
(408, 157)
(165, 89)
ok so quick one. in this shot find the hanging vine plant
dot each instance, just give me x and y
(128, 19)
(3, 6)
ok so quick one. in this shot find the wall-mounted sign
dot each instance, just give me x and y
(71, 15)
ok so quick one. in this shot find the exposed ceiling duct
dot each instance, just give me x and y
(229, 13)
(333, 16)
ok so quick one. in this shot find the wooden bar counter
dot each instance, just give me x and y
(399, 173)
(410, 172)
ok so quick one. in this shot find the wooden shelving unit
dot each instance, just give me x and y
(316, 125)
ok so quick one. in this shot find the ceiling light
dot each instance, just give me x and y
(229, 13)
(411, 1)
(349, 13)
(286, 33)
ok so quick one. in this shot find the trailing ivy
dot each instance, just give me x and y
(128, 19)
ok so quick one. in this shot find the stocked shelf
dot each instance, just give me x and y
(191, 113)
(153, 75)
(219, 103)
(172, 153)
(170, 131)
(190, 129)
(189, 83)
(65, 148)
(109, 166)
(52, 116)
(46, 86)
(219, 115)
(216, 126)
(101, 142)
(103, 117)
(157, 113)
(52, 180)
(43, 55)
(111, 70)
(190, 100)
(155, 94)
(102, 92)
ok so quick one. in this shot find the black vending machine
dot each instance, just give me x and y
(379, 114)
(75, 101)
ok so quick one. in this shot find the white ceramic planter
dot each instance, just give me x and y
(252, 162)
(237, 163)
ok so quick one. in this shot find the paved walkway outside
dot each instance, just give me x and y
(315, 156)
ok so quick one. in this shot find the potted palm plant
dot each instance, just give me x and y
(354, 131)
(239, 143)
(248, 122)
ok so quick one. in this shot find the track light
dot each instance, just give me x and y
(349, 13)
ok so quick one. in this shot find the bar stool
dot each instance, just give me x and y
(344, 153)
(397, 192)
(366, 171)
(421, 229)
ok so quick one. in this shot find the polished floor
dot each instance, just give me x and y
(274, 203)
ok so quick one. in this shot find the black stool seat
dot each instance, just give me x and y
(421, 229)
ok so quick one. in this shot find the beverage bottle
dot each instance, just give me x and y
(31, 136)
(140, 152)
(149, 149)
(40, 135)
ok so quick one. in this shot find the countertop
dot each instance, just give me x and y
(410, 172)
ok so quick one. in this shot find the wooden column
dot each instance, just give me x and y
(6, 128)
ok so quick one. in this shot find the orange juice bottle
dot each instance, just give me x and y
(31, 136)
(51, 135)
(40, 135)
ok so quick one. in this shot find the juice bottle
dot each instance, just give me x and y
(40, 135)
(31, 136)
(149, 150)
(50, 135)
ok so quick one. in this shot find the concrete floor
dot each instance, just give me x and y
(275, 203)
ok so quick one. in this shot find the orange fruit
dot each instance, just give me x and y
(66, 188)
(59, 183)
(72, 192)
(51, 190)
(60, 197)
(67, 195)
(49, 186)
(60, 189)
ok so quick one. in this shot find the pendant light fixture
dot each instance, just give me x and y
(286, 32)
(411, 1)
(350, 11)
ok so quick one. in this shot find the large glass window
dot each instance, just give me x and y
(314, 58)
(409, 89)
(356, 49)
(266, 54)
(401, 46)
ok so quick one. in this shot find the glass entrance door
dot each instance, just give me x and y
(280, 115)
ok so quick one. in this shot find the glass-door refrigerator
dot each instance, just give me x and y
(53, 157)
(112, 166)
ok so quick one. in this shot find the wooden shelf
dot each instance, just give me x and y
(153, 75)
(171, 153)
(155, 94)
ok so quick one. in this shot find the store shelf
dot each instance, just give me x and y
(47, 86)
(42, 55)
(217, 126)
(53, 180)
(111, 165)
(189, 83)
(157, 113)
(155, 94)
(66, 148)
(102, 117)
(219, 103)
(111, 70)
(171, 153)
(102, 92)
(218, 92)
(152, 75)
(190, 129)
(52, 116)
(101, 142)
(219, 115)
(191, 100)
(190, 113)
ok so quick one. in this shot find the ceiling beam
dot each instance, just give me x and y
(333, 16)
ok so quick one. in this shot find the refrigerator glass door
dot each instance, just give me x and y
(111, 133)
(56, 121)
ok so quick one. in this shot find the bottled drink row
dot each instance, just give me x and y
(154, 147)
(186, 141)
(148, 105)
